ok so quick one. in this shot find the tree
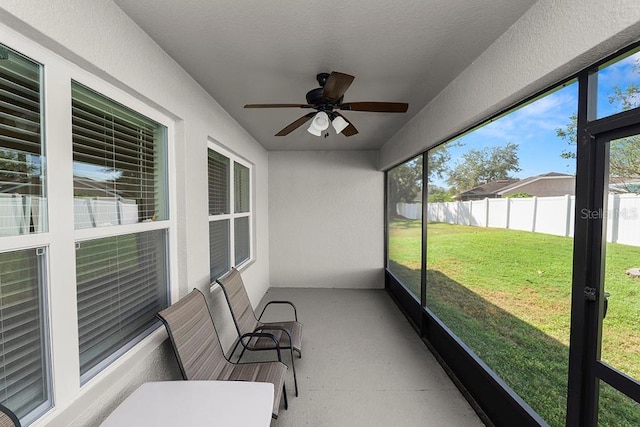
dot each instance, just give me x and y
(438, 158)
(15, 168)
(624, 153)
(479, 167)
(437, 194)
(569, 134)
(519, 195)
(405, 180)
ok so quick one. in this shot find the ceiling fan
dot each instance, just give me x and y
(326, 100)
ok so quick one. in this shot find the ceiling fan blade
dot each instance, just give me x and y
(295, 125)
(349, 130)
(336, 85)
(278, 106)
(376, 107)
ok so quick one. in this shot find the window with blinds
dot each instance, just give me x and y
(24, 361)
(119, 163)
(22, 201)
(229, 229)
(25, 385)
(121, 285)
(219, 167)
(242, 239)
(119, 177)
(241, 187)
(219, 259)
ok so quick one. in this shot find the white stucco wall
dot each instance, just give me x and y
(552, 41)
(99, 39)
(326, 219)
(321, 213)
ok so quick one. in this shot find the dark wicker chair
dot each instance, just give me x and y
(200, 356)
(288, 333)
(8, 418)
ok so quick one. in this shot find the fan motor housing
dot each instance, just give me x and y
(314, 96)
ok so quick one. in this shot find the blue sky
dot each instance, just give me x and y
(95, 172)
(533, 127)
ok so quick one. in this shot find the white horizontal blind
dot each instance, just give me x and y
(241, 187)
(119, 162)
(229, 212)
(24, 381)
(20, 145)
(219, 170)
(120, 169)
(219, 246)
(122, 284)
(241, 239)
(241, 198)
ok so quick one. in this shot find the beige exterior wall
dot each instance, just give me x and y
(546, 187)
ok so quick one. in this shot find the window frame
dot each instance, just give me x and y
(487, 389)
(42, 260)
(108, 136)
(38, 241)
(232, 215)
(61, 329)
(95, 233)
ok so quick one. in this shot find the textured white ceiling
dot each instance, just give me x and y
(259, 51)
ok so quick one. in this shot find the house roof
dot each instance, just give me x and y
(501, 186)
(525, 181)
(489, 188)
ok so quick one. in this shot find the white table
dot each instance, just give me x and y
(195, 404)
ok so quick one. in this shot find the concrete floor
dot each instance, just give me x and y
(363, 365)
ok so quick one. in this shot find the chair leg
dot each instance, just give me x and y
(234, 350)
(293, 367)
(299, 353)
(284, 395)
(241, 353)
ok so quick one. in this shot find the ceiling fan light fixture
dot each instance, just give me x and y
(319, 123)
(314, 131)
(327, 98)
(339, 124)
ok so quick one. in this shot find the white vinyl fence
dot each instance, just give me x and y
(549, 215)
(19, 212)
(104, 211)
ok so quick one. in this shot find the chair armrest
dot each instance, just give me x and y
(262, 335)
(295, 312)
(276, 328)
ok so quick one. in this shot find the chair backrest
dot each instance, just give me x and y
(8, 418)
(194, 338)
(239, 303)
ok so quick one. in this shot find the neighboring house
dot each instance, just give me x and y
(484, 191)
(545, 185)
(83, 186)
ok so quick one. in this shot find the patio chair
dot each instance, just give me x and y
(8, 418)
(288, 333)
(199, 353)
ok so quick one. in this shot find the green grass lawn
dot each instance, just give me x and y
(507, 295)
